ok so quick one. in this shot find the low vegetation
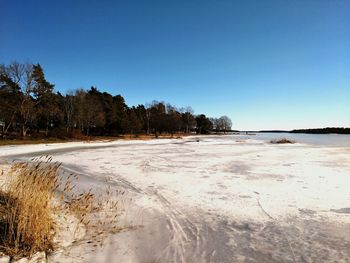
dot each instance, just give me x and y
(32, 197)
(282, 141)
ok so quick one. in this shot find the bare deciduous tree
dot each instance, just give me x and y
(22, 75)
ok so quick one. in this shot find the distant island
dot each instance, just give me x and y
(328, 130)
(338, 130)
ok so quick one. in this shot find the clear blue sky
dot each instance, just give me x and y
(266, 64)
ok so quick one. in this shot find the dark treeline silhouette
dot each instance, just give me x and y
(272, 131)
(29, 106)
(327, 130)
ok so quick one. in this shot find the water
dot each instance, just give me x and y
(342, 140)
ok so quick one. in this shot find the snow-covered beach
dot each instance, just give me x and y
(214, 198)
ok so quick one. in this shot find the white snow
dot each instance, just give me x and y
(219, 178)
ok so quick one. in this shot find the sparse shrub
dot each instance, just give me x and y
(282, 141)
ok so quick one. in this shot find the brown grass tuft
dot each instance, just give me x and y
(282, 141)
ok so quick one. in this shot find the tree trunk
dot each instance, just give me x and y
(47, 128)
(24, 130)
(9, 125)
(147, 126)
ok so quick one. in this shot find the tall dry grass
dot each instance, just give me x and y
(27, 224)
(34, 192)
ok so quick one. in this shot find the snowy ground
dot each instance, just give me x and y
(215, 199)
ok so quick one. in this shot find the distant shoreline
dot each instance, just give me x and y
(328, 130)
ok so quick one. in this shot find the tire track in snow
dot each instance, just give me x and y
(185, 235)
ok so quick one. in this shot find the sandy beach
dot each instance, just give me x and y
(213, 199)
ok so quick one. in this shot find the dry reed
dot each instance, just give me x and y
(27, 224)
(27, 207)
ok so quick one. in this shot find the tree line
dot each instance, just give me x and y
(30, 106)
(328, 130)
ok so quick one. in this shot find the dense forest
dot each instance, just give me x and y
(29, 106)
